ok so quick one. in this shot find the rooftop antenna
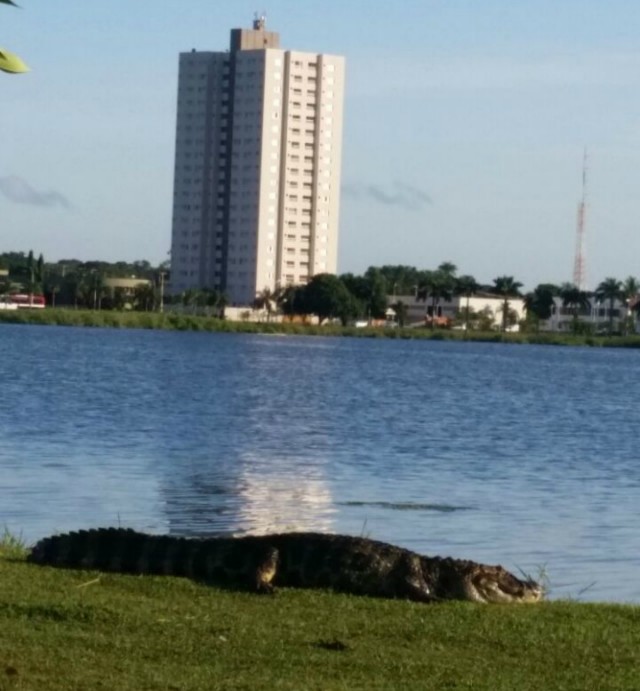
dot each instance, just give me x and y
(579, 267)
(259, 20)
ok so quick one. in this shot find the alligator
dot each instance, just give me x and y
(259, 563)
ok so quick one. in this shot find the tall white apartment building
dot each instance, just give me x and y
(257, 166)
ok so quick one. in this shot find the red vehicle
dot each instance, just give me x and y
(23, 300)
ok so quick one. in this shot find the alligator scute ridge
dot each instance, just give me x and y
(260, 563)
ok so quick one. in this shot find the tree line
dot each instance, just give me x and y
(540, 302)
(346, 297)
(74, 283)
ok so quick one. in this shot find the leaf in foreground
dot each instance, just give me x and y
(9, 62)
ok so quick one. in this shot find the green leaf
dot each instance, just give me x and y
(8, 2)
(10, 62)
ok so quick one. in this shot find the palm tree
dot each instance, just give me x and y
(53, 286)
(8, 61)
(610, 289)
(576, 299)
(507, 287)
(189, 298)
(210, 299)
(630, 287)
(76, 282)
(99, 288)
(401, 309)
(437, 285)
(448, 268)
(466, 285)
(32, 276)
(265, 300)
(222, 302)
(540, 302)
(144, 297)
(631, 294)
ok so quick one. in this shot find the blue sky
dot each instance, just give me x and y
(465, 128)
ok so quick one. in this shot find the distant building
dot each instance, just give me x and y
(598, 315)
(126, 285)
(257, 166)
(124, 289)
(487, 306)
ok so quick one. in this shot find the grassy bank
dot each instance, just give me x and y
(84, 630)
(192, 322)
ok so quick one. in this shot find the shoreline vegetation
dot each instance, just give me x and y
(177, 321)
(67, 629)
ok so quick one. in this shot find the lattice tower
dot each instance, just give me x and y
(579, 263)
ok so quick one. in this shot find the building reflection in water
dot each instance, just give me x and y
(249, 496)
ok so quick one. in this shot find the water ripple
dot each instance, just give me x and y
(405, 506)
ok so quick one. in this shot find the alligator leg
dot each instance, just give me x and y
(266, 571)
(410, 581)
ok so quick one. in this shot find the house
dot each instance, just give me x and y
(598, 315)
(485, 311)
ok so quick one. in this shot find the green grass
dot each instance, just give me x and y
(12, 546)
(84, 630)
(191, 322)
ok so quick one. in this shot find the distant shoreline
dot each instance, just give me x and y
(174, 321)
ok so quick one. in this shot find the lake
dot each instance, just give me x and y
(526, 456)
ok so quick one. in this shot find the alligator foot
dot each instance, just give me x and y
(266, 571)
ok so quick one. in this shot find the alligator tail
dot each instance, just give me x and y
(118, 549)
(248, 563)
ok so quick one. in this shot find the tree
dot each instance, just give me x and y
(51, 287)
(222, 302)
(448, 268)
(609, 290)
(401, 311)
(466, 286)
(9, 62)
(539, 303)
(631, 294)
(144, 297)
(32, 282)
(400, 280)
(437, 285)
(327, 297)
(376, 302)
(575, 299)
(189, 298)
(291, 300)
(370, 291)
(265, 300)
(630, 288)
(98, 287)
(118, 299)
(214, 300)
(507, 287)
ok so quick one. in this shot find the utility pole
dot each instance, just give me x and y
(161, 306)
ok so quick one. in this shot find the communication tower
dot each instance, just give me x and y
(579, 263)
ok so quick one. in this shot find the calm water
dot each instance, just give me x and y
(528, 456)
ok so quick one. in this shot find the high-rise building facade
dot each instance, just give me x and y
(257, 167)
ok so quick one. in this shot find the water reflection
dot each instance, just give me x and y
(284, 498)
(258, 496)
(229, 462)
